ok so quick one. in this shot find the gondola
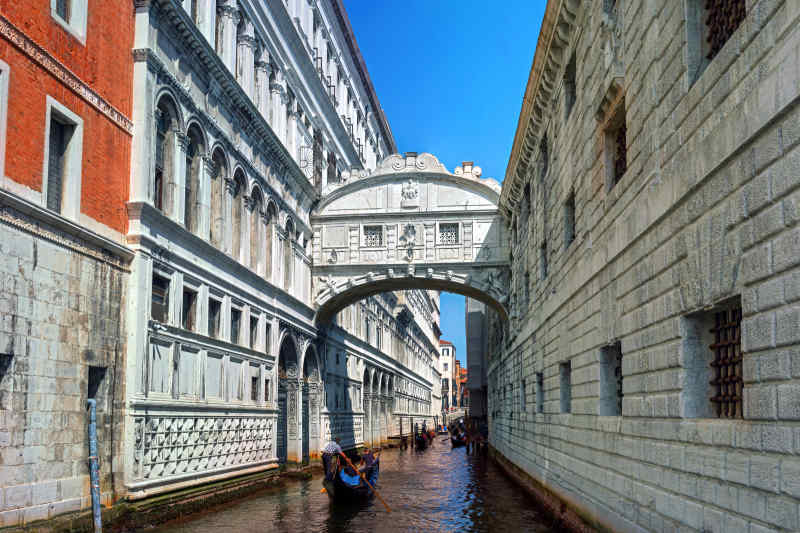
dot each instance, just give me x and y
(458, 441)
(341, 491)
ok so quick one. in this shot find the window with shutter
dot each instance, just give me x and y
(55, 167)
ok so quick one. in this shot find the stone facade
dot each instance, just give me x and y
(245, 112)
(652, 197)
(476, 326)
(63, 264)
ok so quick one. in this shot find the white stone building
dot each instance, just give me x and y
(244, 111)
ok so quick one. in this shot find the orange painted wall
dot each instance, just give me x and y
(106, 65)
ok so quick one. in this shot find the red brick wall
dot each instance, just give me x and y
(106, 65)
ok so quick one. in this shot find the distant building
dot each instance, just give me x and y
(477, 330)
(447, 362)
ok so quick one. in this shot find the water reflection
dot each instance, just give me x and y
(438, 490)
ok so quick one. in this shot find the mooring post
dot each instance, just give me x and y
(93, 466)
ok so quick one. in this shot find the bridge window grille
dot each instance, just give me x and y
(373, 236)
(448, 233)
(726, 364)
(723, 17)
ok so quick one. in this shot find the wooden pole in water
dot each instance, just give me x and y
(360, 473)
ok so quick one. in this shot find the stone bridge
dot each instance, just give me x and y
(410, 224)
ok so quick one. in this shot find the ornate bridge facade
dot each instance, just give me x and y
(410, 224)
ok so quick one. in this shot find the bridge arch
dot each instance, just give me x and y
(410, 224)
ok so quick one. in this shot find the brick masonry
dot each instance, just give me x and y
(707, 211)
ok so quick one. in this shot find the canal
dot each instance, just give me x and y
(438, 490)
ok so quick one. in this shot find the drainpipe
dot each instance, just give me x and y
(93, 465)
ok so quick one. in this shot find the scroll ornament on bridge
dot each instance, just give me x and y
(410, 194)
(327, 283)
(495, 286)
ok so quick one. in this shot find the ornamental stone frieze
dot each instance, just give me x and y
(410, 224)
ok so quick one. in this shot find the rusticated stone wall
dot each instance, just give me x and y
(704, 217)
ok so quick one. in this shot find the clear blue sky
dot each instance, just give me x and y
(450, 76)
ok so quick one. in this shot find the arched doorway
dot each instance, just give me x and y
(310, 405)
(287, 398)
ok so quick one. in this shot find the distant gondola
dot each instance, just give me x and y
(342, 491)
(457, 441)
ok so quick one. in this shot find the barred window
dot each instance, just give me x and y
(448, 233)
(726, 365)
(722, 19)
(373, 236)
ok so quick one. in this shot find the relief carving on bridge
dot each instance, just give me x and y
(411, 224)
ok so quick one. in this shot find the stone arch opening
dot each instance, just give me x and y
(256, 209)
(192, 206)
(218, 179)
(287, 397)
(335, 294)
(167, 124)
(312, 387)
(239, 187)
(269, 239)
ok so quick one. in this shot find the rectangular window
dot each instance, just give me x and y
(97, 376)
(189, 309)
(712, 360)
(254, 380)
(60, 135)
(71, 15)
(565, 370)
(214, 315)
(523, 396)
(448, 233)
(234, 380)
(266, 389)
(61, 185)
(610, 403)
(569, 87)
(569, 219)
(253, 331)
(373, 236)
(616, 146)
(543, 261)
(539, 392)
(213, 377)
(236, 324)
(527, 289)
(159, 303)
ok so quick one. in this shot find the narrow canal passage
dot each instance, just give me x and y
(438, 490)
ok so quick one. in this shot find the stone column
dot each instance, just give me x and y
(367, 419)
(245, 57)
(291, 134)
(263, 69)
(227, 211)
(178, 181)
(207, 19)
(228, 20)
(206, 171)
(294, 450)
(247, 231)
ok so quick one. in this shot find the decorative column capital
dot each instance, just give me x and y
(228, 9)
(183, 140)
(230, 185)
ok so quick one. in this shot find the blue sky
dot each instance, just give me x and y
(450, 76)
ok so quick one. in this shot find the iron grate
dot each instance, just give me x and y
(727, 363)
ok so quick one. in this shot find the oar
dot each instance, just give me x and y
(367, 482)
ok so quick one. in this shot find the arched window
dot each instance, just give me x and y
(255, 229)
(217, 188)
(272, 216)
(288, 256)
(237, 212)
(163, 179)
(194, 165)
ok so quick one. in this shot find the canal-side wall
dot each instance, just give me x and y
(703, 220)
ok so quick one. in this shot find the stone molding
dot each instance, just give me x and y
(59, 71)
(50, 226)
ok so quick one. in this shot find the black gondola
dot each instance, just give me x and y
(341, 491)
(458, 441)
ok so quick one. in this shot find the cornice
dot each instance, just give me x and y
(58, 70)
(240, 104)
(548, 62)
